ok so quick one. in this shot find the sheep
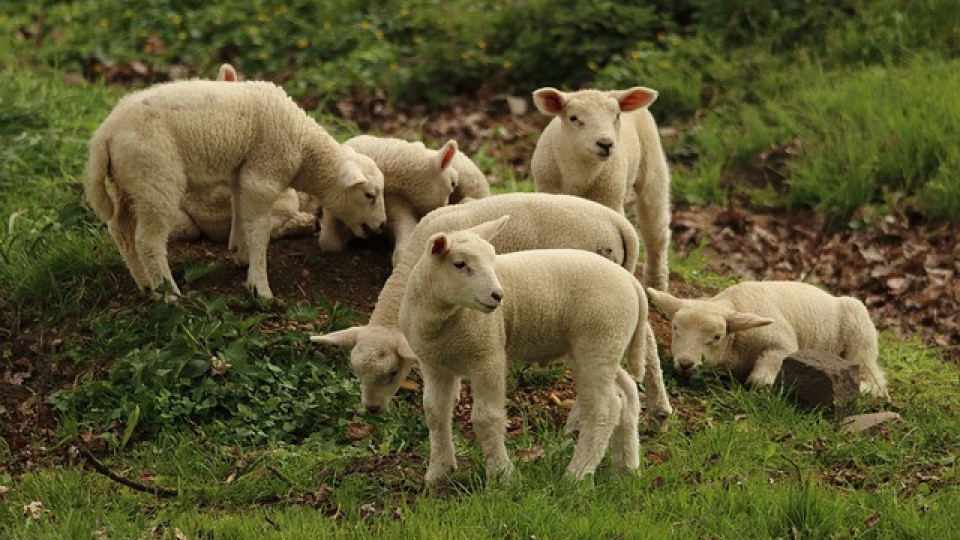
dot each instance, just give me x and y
(749, 328)
(471, 182)
(467, 312)
(381, 357)
(588, 150)
(173, 138)
(416, 181)
(210, 213)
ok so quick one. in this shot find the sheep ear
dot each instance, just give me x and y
(549, 101)
(345, 338)
(404, 350)
(439, 245)
(738, 321)
(444, 156)
(490, 229)
(227, 73)
(665, 302)
(350, 175)
(635, 98)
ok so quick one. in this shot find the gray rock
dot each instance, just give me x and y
(862, 422)
(819, 379)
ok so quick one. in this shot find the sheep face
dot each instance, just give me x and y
(380, 358)
(463, 267)
(590, 119)
(360, 206)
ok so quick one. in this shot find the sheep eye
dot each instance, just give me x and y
(460, 265)
(573, 118)
(370, 196)
(394, 373)
(716, 338)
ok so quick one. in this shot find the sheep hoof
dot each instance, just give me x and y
(263, 291)
(330, 244)
(500, 476)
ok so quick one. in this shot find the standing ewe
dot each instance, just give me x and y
(381, 357)
(552, 304)
(416, 180)
(749, 328)
(160, 143)
(589, 151)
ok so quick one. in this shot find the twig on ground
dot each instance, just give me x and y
(104, 470)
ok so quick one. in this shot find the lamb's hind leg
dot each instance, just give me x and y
(599, 410)
(625, 441)
(860, 336)
(123, 228)
(154, 216)
(657, 399)
(653, 214)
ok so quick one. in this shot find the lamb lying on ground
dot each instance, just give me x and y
(599, 146)
(416, 180)
(160, 143)
(210, 213)
(468, 312)
(749, 329)
(381, 357)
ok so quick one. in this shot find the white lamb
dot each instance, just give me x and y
(160, 143)
(599, 146)
(210, 213)
(749, 328)
(380, 355)
(468, 312)
(416, 180)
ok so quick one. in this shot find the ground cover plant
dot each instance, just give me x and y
(837, 116)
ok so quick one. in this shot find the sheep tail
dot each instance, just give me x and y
(631, 244)
(637, 350)
(95, 186)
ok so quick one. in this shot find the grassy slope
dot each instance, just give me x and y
(725, 467)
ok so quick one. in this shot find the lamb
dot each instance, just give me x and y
(160, 143)
(416, 181)
(588, 150)
(381, 357)
(467, 312)
(749, 328)
(210, 213)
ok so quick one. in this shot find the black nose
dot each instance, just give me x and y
(605, 145)
(685, 366)
(373, 409)
(497, 296)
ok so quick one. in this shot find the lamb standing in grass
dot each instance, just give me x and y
(468, 312)
(381, 357)
(210, 213)
(416, 180)
(599, 146)
(160, 143)
(749, 328)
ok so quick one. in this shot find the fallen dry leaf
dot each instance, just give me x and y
(410, 385)
(530, 454)
(358, 430)
(33, 510)
(179, 534)
(218, 367)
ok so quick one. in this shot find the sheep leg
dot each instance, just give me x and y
(152, 231)
(332, 238)
(599, 412)
(767, 367)
(123, 229)
(254, 203)
(625, 441)
(653, 214)
(236, 239)
(489, 420)
(861, 347)
(657, 399)
(401, 220)
(440, 394)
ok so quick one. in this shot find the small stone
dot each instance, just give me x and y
(862, 422)
(819, 379)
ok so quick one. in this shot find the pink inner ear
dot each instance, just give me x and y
(636, 100)
(439, 246)
(448, 156)
(230, 76)
(552, 102)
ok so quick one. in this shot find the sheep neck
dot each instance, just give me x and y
(320, 166)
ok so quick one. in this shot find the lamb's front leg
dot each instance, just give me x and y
(332, 238)
(599, 412)
(254, 201)
(489, 419)
(440, 394)
(767, 367)
(657, 399)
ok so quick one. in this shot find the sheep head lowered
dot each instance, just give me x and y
(360, 203)
(590, 119)
(702, 330)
